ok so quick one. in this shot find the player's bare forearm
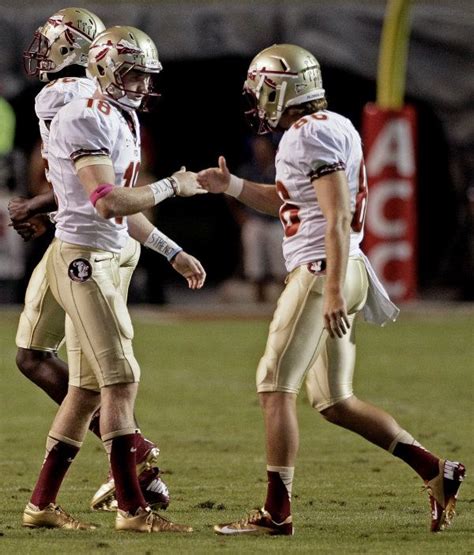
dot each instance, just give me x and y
(43, 203)
(119, 201)
(112, 201)
(125, 202)
(333, 197)
(21, 209)
(263, 198)
(337, 253)
(139, 227)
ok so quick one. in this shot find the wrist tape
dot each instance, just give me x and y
(159, 242)
(163, 189)
(236, 184)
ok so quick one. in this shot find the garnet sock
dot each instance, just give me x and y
(278, 502)
(123, 463)
(60, 452)
(422, 461)
(405, 447)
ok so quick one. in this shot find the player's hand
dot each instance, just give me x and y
(190, 268)
(336, 321)
(215, 180)
(32, 228)
(187, 185)
(19, 209)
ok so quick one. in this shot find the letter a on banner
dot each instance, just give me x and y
(391, 225)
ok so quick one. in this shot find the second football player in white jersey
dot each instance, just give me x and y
(321, 197)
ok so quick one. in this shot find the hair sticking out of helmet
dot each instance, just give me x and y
(280, 76)
(63, 41)
(124, 61)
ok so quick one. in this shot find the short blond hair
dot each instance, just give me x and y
(310, 107)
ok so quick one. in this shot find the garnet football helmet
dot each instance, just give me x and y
(280, 76)
(118, 51)
(62, 41)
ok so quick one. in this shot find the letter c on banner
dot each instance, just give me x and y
(396, 254)
(377, 222)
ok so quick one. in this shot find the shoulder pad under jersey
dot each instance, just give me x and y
(58, 93)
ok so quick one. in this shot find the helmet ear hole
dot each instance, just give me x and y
(63, 50)
(101, 70)
(272, 96)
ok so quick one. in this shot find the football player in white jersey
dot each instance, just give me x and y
(58, 55)
(188, 266)
(321, 198)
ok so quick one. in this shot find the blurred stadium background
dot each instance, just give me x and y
(205, 47)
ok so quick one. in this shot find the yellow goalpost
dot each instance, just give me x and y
(393, 54)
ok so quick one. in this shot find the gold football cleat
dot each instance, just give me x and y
(258, 521)
(52, 516)
(443, 491)
(147, 521)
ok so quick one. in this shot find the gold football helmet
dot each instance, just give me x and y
(280, 76)
(62, 41)
(118, 51)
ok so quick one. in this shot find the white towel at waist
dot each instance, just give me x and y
(378, 308)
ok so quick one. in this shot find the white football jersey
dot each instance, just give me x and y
(91, 127)
(54, 96)
(314, 146)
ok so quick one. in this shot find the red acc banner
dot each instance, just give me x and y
(391, 226)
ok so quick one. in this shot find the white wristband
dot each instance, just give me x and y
(236, 184)
(159, 242)
(163, 189)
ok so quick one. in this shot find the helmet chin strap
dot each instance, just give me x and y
(281, 102)
(124, 101)
(127, 102)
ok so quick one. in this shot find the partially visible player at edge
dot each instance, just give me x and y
(58, 55)
(94, 151)
(321, 197)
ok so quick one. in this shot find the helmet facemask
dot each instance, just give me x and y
(36, 54)
(265, 101)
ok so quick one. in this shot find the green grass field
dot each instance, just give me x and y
(197, 401)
